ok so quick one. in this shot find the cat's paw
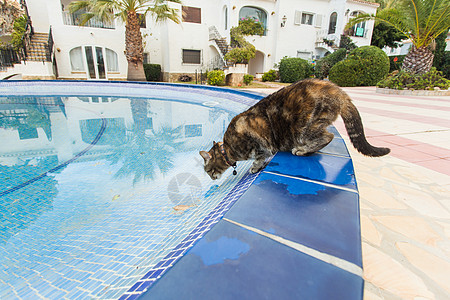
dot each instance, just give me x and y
(256, 169)
(299, 151)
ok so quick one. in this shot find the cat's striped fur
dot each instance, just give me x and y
(293, 119)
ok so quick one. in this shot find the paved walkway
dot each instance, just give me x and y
(405, 196)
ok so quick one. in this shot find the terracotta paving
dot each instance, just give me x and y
(405, 196)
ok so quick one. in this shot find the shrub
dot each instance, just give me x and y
(152, 72)
(395, 63)
(240, 55)
(404, 80)
(445, 67)
(251, 26)
(270, 75)
(293, 69)
(216, 77)
(185, 78)
(324, 65)
(19, 28)
(248, 79)
(364, 66)
(347, 43)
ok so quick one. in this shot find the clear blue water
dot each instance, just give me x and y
(95, 190)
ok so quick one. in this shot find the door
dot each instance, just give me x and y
(95, 62)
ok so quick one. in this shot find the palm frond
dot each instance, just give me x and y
(161, 12)
(420, 20)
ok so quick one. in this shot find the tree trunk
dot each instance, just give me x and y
(134, 50)
(136, 71)
(418, 60)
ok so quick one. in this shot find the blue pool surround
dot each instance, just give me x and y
(289, 232)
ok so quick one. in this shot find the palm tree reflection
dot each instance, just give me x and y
(146, 151)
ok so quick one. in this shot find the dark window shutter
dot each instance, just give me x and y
(192, 14)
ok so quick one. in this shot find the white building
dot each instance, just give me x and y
(294, 28)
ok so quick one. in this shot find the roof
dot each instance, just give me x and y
(366, 2)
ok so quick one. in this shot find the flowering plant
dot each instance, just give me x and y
(251, 26)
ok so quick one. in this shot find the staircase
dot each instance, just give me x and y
(39, 47)
(223, 46)
(220, 41)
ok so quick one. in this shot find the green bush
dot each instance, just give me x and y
(270, 75)
(445, 67)
(364, 66)
(395, 62)
(292, 69)
(248, 79)
(241, 55)
(19, 28)
(324, 64)
(152, 72)
(251, 26)
(216, 77)
(404, 80)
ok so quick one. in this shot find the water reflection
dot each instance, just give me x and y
(138, 138)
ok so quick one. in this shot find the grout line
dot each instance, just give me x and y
(335, 186)
(330, 259)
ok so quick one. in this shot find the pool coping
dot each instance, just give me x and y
(178, 252)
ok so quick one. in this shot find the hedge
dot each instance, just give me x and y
(152, 72)
(324, 64)
(292, 69)
(216, 77)
(364, 66)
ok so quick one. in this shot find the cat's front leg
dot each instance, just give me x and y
(258, 165)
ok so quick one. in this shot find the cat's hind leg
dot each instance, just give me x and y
(312, 142)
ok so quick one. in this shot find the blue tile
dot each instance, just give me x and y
(323, 218)
(336, 147)
(321, 167)
(233, 263)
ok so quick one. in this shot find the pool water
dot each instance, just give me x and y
(97, 187)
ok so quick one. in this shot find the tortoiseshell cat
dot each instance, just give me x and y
(294, 119)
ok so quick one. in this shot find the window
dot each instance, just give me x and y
(142, 21)
(307, 18)
(191, 56)
(225, 17)
(304, 55)
(359, 29)
(193, 130)
(192, 14)
(332, 25)
(146, 58)
(255, 13)
(76, 59)
(112, 61)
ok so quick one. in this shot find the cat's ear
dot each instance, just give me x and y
(214, 142)
(206, 156)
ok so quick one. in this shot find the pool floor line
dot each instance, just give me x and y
(327, 258)
(335, 186)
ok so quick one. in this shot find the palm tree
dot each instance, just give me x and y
(129, 12)
(419, 20)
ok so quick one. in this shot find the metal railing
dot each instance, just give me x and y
(8, 57)
(75, 19)
(49, 46)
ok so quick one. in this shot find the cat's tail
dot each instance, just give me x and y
(355, 130)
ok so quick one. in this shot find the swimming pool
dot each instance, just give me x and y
(96, 189)
(102, 191)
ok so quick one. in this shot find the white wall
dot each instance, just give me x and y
(164, 42)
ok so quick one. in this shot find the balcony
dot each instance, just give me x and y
(74, 19)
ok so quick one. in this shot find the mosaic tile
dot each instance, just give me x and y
(90, 235)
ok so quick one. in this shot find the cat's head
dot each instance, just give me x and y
(215, 163)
